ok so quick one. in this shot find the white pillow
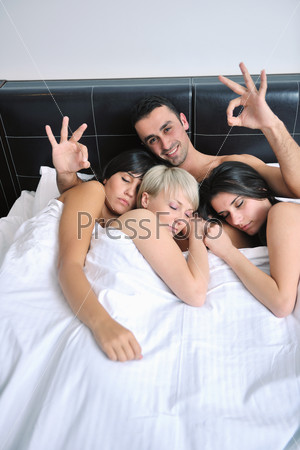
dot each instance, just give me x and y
(29, 204)
(19, 212)
(47, 188)
(23, 206)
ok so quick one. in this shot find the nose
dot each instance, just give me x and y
(180, 221)
(236, 218)
(166, 142)
(130, 190)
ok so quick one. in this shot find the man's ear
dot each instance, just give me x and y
(145, 200)
(184, 121)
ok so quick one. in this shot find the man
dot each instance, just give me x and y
(163, 131)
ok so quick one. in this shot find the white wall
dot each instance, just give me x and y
(133, 38)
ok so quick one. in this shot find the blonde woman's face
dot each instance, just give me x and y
(174, 211)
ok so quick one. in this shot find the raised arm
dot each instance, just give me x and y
(68, 156)
(278, 290)
(116, 341)
(258, 115)
(187, 279)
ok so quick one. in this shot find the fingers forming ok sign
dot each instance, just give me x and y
(69, 155)
(256, 113)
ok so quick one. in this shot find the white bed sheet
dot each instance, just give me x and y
(224, 376)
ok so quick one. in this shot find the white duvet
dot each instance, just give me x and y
(221, 377)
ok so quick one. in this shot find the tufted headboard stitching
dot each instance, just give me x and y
(27, 106)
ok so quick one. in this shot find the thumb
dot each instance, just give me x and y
(85, 164)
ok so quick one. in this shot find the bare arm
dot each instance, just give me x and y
(238, 238)
(287, 152)
(278, 290)
(272, 175)
(116, 341)
(68, 156)
(187, 279)
(258, 115)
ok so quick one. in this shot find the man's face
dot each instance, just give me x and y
(165, 135)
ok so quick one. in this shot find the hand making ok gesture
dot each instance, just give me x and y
(256, 113)
(69, 155)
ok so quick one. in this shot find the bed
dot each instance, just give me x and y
(223, 376)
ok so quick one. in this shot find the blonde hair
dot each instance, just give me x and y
(169, 179)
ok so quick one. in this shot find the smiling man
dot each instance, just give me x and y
(163, 130)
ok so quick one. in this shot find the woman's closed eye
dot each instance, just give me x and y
(173, 205)
(239, 203)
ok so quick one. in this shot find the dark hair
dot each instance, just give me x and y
(233, 177)
(147, 104)
(136, 161)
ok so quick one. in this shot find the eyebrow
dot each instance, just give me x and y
(161, 128)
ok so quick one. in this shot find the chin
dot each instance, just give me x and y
(119, 211)
(252, 232)
(174, 163)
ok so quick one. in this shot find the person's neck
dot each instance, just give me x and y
(196, 163)
(106, 215)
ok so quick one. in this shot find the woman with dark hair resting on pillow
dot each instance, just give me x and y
(236, 193)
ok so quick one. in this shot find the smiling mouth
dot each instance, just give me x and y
(172, 152)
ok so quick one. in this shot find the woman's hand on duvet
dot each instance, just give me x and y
(68, 156)
(117, 342)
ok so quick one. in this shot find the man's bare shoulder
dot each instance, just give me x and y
(211, 162)
(245, 158)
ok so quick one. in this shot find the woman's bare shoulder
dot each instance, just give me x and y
(139, 213)
(284, 208)
(283, 214)
(89, 188)
(136, 223)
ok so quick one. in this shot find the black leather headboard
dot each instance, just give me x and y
(211, 132)
(27, 106)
